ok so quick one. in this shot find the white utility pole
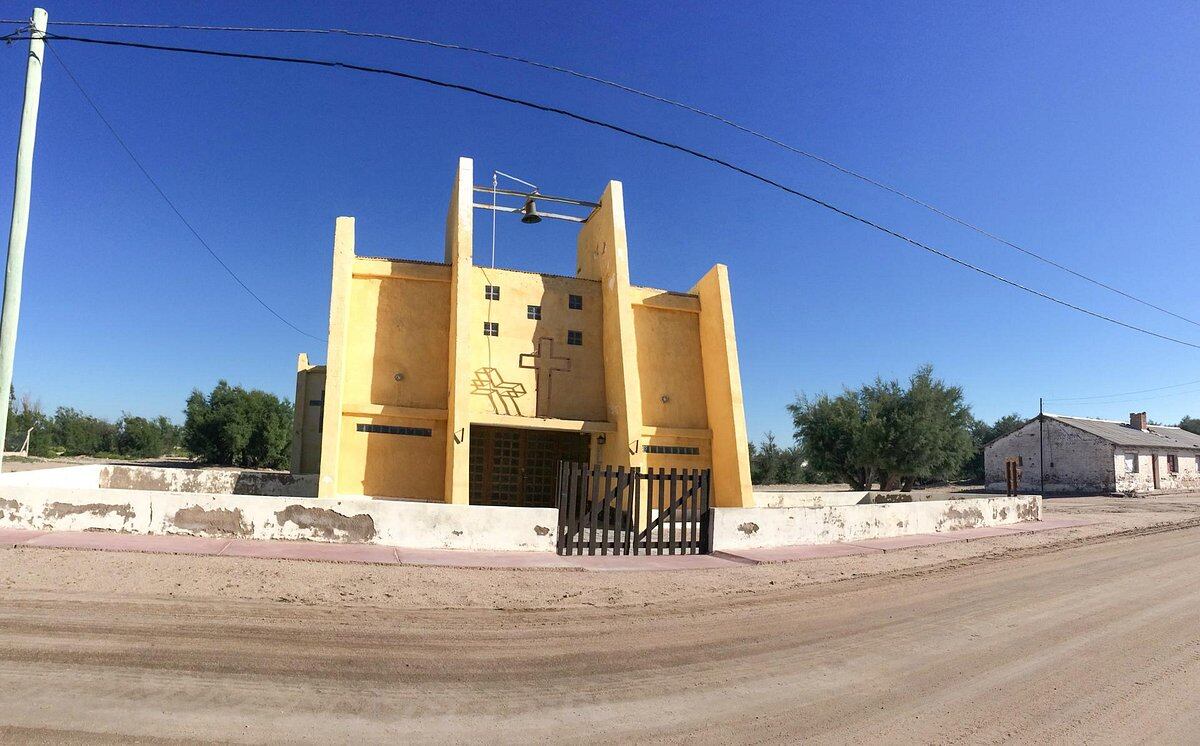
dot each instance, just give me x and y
(20, 213)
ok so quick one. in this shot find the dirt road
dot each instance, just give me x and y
(1092, 642)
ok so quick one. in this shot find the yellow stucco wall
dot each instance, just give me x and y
(498, 384)
(399, 329)
(407, 349)
(395, 360)
(306, 423)
(387, 465)
(669, 366)
(723, 391)
(602, 254)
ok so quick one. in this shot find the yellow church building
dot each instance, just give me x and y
(450, 381)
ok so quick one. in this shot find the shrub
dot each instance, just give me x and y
(23, 415)
(77, 434)
(235, 427)
(138, 437)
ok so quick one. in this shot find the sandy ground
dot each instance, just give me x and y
(1086, 634)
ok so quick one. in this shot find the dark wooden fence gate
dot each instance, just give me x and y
(602, 510)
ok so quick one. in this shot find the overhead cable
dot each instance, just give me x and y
(335, 64)
(653, 97)
(171, 204)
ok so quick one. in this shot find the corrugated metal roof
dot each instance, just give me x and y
(1120, 433)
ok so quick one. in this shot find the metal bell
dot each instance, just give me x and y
(530, 215)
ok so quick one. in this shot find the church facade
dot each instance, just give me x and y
(466, 384)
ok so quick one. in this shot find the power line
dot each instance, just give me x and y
(1126, 393)
(653, 97)
(1192, 392)
(171, 204)
(334, 64)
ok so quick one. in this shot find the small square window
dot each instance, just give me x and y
(533, 312)
(574, 337)
(491, 328)
(491, 292)
(1131, 463)
(1173, 463)
(575, 302)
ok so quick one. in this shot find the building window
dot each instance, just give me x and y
(422, 432)
(1131, 463)
(674, 450)
(533, 312)
(574, 337)
(491, 292)
(575, 302)
(491, 328)
(1172, 463)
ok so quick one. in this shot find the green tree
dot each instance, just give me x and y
(78, 434)
(236, 427)
(1191, 424)
(832, 436)
(981, 434)
(138, 437)
(22, 416)
(771, 464)
(926, 431)
(886, 432)
(172, 434)
(767, 462)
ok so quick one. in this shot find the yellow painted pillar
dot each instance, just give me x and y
(299, 409)
(335, 366)
(603, 255)
(723, 392)
(459, 229)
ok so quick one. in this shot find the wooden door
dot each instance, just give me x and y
(519, 467)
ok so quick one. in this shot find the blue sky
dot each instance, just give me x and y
(1070, 128)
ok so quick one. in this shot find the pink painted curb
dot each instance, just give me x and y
(795, 553)
(14, 536)
(483, 560)
(302, 550)
(652, 562)
(128, 542)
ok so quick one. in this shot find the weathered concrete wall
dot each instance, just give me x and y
(799, 499)
(70, 499)
(746, 528)
(84, 475)
(363, 520)
(1142, 479)
(218, 481)
(785, 499)
(1076, 462)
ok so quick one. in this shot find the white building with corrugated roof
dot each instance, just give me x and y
(1056, 454)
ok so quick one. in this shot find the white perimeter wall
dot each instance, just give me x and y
(749, 528)
(68, 499)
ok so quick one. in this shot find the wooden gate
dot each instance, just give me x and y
(602, 510)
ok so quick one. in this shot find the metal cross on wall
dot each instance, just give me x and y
(544, 362)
